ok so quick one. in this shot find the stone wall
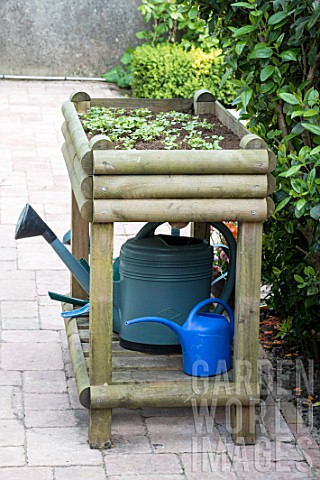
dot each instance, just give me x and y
(65, 37)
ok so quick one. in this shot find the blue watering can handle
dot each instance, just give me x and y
(215, 300)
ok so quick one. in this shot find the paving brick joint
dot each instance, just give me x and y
(43, 428)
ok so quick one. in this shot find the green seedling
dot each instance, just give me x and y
(128, 127)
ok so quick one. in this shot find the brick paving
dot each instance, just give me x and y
(43, 428)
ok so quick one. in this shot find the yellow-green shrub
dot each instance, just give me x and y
(169, 71)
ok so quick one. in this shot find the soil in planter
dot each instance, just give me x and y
(140, 129)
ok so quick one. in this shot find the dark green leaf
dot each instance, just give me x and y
(314, 18)
(297, 129)
(289, 227)
(310, 113)
(113, 75)
(225, 77)
(266, 72)
(242, 4)
(315, 150)
(193, 13)
(267, 87)
(282, 204)
(277, 18)
(311, 127)
(279, 40)
(141, 35)
(297, 113)
(289, 98)
(298, 279)
(291, 171)
(273, 133)
(296, 185)
(312, 290)
(312, 55)
(256, 13)
(301, 203)
(311, 178)
(277, 75)
(260, 51)
(126, 81)
(126, 58)
(315, 212)
(245, 97)
(240, 46)
(289, 55)
(238, 32)
(313, 97)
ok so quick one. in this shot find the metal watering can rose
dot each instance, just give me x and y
(205, 339)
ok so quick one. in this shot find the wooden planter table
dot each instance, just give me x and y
(140, 186)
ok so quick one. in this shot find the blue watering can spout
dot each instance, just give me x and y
(174, 326)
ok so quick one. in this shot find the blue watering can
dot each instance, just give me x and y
(205, 339)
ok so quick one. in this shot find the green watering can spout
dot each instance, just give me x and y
(30, 224)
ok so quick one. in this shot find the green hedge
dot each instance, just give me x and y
(170, 71)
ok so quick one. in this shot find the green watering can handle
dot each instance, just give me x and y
(148, 230)
(214, 300)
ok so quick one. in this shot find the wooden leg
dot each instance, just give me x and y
(247, 311)
(243, 424)
(200, 230)
(101, 302)
(79, 244)
(100, 428)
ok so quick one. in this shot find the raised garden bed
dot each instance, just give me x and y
(99, 174)
(113, 185)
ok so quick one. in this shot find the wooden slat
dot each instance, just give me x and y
(180, 162)
(82, 147)
(84, 180)
(84, 204)
(203, 102)
(168, 394)
(156, 105)
(141, 377)
(205, 107)
(78, 137)
(78, 362)
(180, 186)
(230, 121)
(131, 361)
(126, 376)
(81, 100)
(252, 142)
(180, 210)
(270, 206)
